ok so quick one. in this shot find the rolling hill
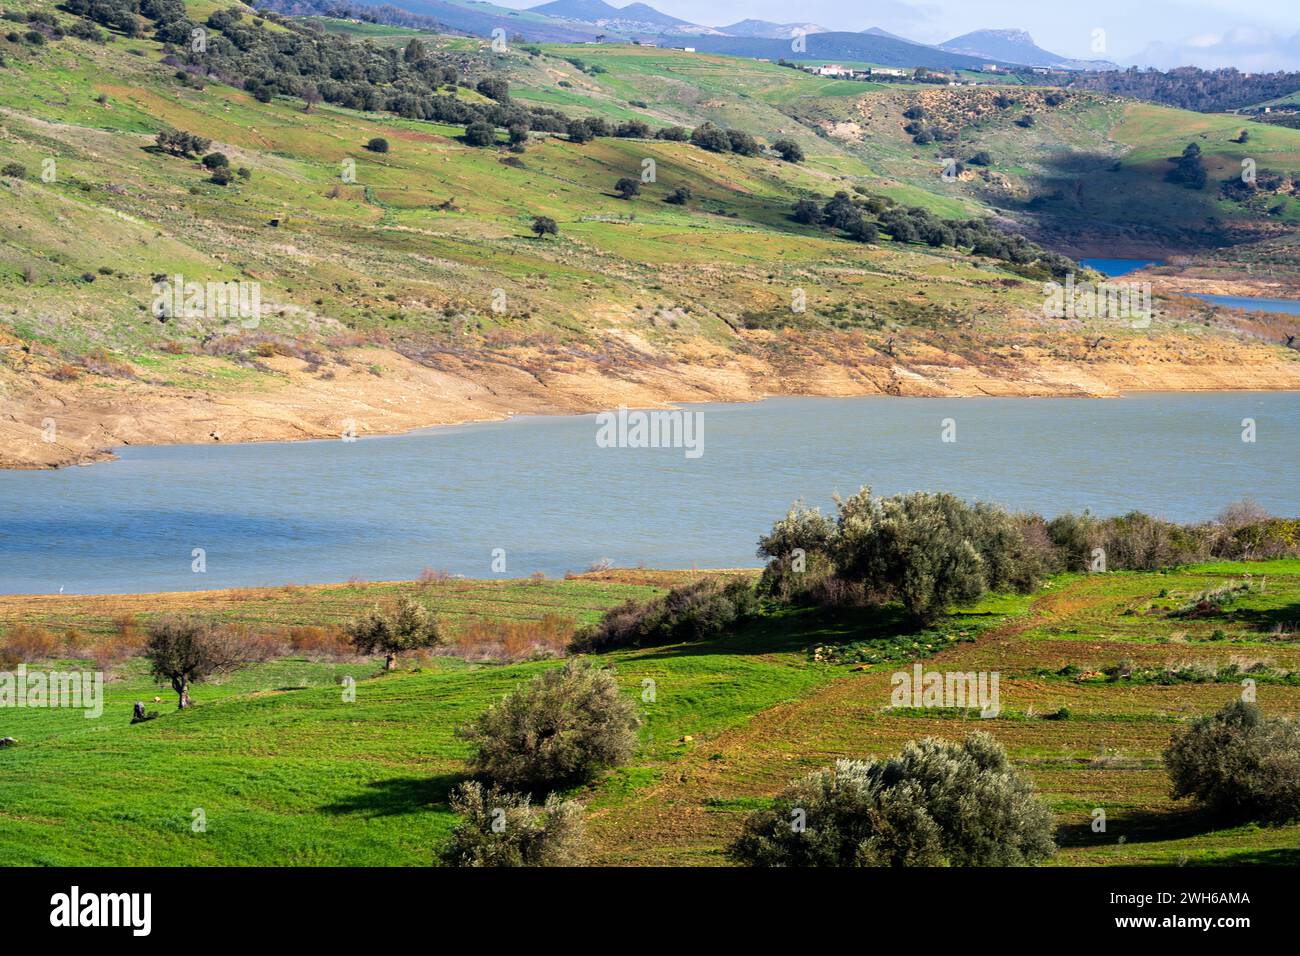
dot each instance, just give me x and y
(405, 287)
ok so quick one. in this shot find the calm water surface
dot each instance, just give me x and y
(1118, 267)
(539, 487)
(1254, 303)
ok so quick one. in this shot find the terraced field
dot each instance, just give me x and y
(286, 771)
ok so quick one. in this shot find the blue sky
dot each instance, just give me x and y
(1251, 34)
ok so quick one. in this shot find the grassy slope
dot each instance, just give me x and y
(288, 773)
(381, 256)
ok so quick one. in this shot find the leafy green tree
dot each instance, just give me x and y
(406, 626)
(1239, 764)
(480, 134)
(377, 145)
(579, 131)
(807, 212)
(545, 226)
(186, 650)
(790, 151)
(627, 187)
(710, 137)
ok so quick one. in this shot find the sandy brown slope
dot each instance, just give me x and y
(45, 422)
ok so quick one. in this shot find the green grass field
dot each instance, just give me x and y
(285, 771)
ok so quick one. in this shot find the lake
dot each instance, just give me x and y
(1115, 268)
(1254, 303)
(543, 491)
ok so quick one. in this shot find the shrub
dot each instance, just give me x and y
(180, 143)
(213, 160)
(561, 728)
(689, 612)
(936, 804)
(503, 829)
(579, 131)
(14, 171)
(627, 187)
(790, 151)
(377, 145)
(222, 176)
(480, 134)
(545, 226)
(404, 627)
(1239, 764)
(679, 196)
(516, 640)
(30, 644)
(929, 551)
(711, 137)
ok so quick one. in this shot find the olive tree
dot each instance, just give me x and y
(404, 627)
(562, 727)
(1239, 764)
(187, 650)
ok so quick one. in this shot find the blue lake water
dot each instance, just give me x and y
(1118, 267)
(540, 488)
(1254, 303)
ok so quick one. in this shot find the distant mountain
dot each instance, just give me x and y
(1016, 46)
(767, 30)
(636, 19)
(857, 47)
(589, 11)
(644, 13)
(877, 32)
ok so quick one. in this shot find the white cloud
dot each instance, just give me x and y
(1249, 49)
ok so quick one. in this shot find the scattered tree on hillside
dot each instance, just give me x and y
(561, 728)
(807, 212)
(545, 226)
(579, 131)
(710, 137)
(679, 196)
(627, 187)
(480, 134)
(1190, 170)
(405, 627)
(790, 151)
(1239, 764)
(180, 143)
(187, 651)
(377, 145)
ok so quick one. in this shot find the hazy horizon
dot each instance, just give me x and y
(1209, 33)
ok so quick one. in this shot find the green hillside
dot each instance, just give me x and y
(288, 772)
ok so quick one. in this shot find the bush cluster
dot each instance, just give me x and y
(690, 612)
(935, 804)
(500, 828)
(931, 551)
(1239, 764)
